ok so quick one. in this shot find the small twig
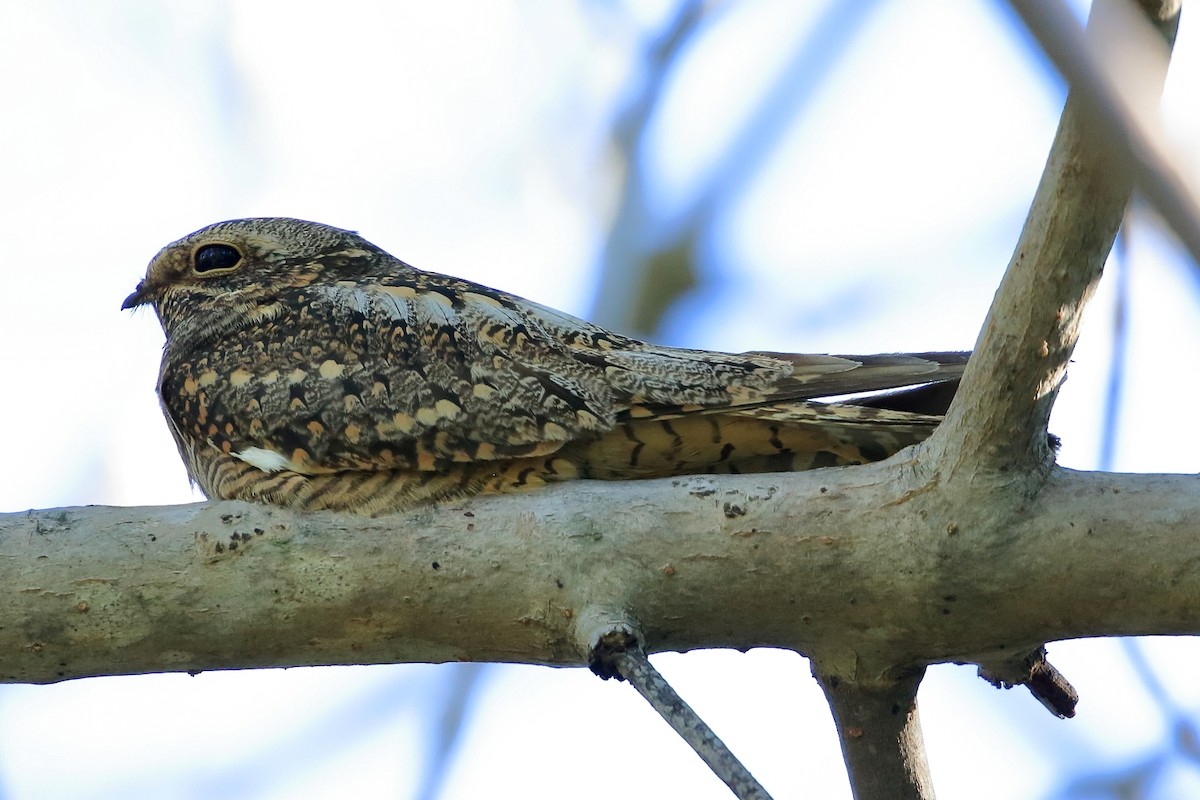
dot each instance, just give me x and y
(619, 655)
(1052, 689)
(881, 736)
(1049, 686)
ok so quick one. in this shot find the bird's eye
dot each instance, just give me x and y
(215, 257)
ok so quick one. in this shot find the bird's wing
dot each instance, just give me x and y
(420, 371)
(868, 373)
(826, 376)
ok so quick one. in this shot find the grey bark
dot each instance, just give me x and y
(861, 567)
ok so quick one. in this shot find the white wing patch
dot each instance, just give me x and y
(266, 460)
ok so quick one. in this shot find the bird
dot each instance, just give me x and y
(306, 367)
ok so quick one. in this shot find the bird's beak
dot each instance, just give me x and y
(140, 296)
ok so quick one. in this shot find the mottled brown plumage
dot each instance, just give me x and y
(306, 367)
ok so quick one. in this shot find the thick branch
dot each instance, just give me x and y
(997, 422)
(881, 735)
(857, 565)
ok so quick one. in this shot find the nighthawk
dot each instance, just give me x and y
(306, 367)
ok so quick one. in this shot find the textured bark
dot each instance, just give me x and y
(997, 422)
(859, 566)
(881, 736)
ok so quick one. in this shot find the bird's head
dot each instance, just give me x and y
(229, 272)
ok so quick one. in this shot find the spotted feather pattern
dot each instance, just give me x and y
(305, 366)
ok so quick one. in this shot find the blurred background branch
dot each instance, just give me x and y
(1117, 93)
(651, 258)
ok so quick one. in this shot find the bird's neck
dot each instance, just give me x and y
(188, 328)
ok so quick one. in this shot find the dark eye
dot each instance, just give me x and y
(216, 257)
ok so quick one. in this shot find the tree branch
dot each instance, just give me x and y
(847, 564)
(618, 654)
(881, 735)
(1046, 683)
(997, 422)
